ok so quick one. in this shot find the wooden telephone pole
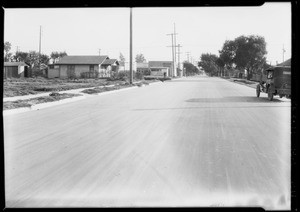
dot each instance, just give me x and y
(130, 58)
(40, 46)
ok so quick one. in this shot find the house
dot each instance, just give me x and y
(83, 67)
(158, 68)
(16, 70)
(109, 66)
(143, 68)
(285, 63)
(125, 66)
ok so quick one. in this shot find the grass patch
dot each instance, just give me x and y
(161, 78)
(244, 81)
(33, 101)
(104, 89)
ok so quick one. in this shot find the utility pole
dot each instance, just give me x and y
(175, 48)
(40, 44)
(173, 65)
(283, 51)
(188, 56)
(99, 52)
(178, 53)
(130, 58)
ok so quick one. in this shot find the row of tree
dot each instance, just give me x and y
(33, 58)
(243, 53)
(139, 58)
(190, 69)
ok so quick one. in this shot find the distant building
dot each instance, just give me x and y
(15, 70)
(83, 67)
(143, 68)
(158, 68)
(125, 66)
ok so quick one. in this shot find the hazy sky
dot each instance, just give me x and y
(83, 31)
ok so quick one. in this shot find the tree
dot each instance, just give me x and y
(122, 58)
(227, 54)
(44, 59)
(208, 63)
(190, 69)
(56, 55)
(246, 52)
(21, 57)
(220, 63)
(7, 48)
(139, 58)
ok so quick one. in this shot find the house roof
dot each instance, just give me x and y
(15, 64)
(110, 62)
(142, 65)
(82, 60)
(285, 63)
(165, 64)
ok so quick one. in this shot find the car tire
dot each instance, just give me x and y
(270, 96)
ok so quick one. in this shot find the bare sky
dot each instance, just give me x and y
(83, 31)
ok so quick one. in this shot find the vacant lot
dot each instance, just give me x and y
(20, 87)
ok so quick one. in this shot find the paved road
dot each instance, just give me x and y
(190, 142)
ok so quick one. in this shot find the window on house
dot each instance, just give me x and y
(71, 67)
(92, 67)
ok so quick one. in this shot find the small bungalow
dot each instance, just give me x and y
(158, 68)
(15, 70)
(109, 66)
(83, 67)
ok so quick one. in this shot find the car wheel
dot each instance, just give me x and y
(270, 96)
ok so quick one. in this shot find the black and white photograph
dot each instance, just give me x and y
(148, 106)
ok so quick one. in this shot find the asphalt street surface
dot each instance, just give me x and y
(196, 141)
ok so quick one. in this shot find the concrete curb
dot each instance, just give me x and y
(42, 105)
(251, 86)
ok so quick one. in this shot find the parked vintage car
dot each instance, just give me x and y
(277, 82)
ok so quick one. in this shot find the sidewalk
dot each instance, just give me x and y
(246, 82)
(15, 98)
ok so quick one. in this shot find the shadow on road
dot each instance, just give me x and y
(208, 107)
(235, 99)
(194, 80)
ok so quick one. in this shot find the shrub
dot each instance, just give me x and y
(121, 75)
(139, 75)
